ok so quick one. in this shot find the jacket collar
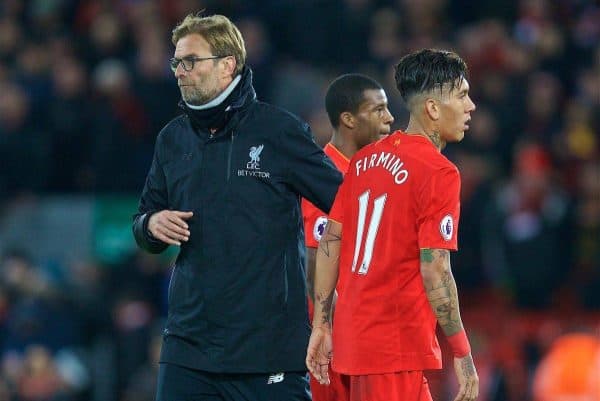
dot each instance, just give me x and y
(225, 116)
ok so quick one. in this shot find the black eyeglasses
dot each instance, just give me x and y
(188, 62)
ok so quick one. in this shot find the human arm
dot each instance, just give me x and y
(309, 170)
(154, 226)
(320, 346)
(442, 294)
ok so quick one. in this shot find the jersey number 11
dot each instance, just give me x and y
(363, 203)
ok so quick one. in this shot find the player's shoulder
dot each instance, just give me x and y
(440, 162)
(274, 113)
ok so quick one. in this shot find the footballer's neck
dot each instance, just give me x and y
(344, 142)
(416, 127)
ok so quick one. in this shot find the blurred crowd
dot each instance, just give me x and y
(85, 87)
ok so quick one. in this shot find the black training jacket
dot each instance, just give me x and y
(237, 299)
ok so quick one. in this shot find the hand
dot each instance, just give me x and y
(169, 226)
(319, 353)
(467, 378)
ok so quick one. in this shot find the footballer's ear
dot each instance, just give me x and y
(347, 119)
(432, 108)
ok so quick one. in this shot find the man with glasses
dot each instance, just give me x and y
(225, 186)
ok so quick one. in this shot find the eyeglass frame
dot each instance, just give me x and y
(192, 59)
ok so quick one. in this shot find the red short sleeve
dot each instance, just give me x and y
(440, 210)
(314, 223)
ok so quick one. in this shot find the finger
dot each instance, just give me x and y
(178, 221)
(474, 391)
(324, 374)
(176, 231)
(164, 238)
(172, 235)
(310, 362)
(314, 371)
(468, 390)
(165, 230)
(461, 394)
(311, 359)
(320, 371)
(183, 215)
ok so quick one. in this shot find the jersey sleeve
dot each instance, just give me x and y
(337, 209)
(440, 210)
(314, 223)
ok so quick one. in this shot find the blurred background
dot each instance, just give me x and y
(85, 88)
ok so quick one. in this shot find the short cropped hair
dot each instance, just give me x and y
(426, 70)
(346, 93)
(221, 34)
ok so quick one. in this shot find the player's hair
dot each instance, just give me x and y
(221, 34)
(426, 70)
(346, 93)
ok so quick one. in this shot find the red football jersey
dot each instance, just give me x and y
(399, 195)
(315, 219)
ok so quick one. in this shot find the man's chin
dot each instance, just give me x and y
(192, 101)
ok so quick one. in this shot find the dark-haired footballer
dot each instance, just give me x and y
(389, 235)
(357, 107)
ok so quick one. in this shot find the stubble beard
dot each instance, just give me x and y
(194, 96)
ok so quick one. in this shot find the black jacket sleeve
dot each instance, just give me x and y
(153, 199)
(310, 172)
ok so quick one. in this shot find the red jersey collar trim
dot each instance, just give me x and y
(332, 147)
(416, 137)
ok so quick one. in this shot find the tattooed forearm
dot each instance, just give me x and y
(326, 302)
(328, 240)
(468, 367)
(440, 288)
(326, 273)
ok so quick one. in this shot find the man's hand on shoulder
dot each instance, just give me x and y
(169, 226)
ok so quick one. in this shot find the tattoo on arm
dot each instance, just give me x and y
(426, 255)
(328, 238)
(327, 259)
(440, 288)
(326, 302)
(468, 367)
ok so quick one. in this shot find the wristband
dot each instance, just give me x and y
(459, 343)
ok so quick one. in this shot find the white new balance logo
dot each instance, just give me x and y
(275, 378)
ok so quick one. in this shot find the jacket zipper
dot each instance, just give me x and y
(229, 156)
